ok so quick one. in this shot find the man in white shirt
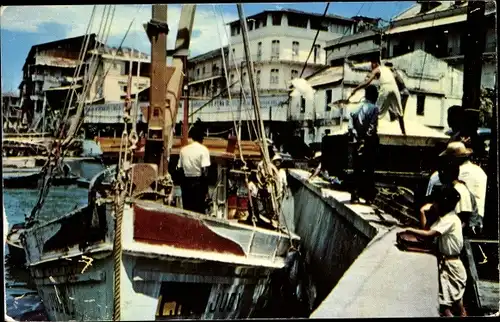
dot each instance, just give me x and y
(194, 160)
(466, 208)
(448, 231)
(472, 175)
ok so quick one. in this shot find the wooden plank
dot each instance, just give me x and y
(489, 294)
(472, 272)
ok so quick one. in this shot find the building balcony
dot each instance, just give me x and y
(206, 76)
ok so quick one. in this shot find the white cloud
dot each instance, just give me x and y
(74, 20)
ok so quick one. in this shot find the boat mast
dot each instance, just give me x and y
(157, 30)
(253, 90)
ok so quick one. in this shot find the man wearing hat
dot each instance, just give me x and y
(471, 174)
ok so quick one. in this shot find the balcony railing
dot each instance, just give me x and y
(206, 75)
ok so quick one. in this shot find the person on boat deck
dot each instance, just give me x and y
(472, 175)
(194, 160)
(389, 98)
(277, 161)
(403, 90)
(316, 160)
(448, 230)
(363, 129)
(466, 208)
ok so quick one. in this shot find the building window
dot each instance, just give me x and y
(250, 24)
(257, 78)
(264, 21)
(275, 49)
(317, 53)
(215, 70)
(259, 51)
(277, 18)
(275, 77)
(297, 20)
(328, 131)
(203, 71)
(295, 49)
(197, 72)
(234, 53)
(420, 105)
(302, 105)
(328, 100)
(294, 74)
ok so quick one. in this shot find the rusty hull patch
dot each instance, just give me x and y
(163, 228)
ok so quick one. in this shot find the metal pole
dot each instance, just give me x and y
(185, 119)
(255, 94)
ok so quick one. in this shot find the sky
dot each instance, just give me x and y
(25, 26)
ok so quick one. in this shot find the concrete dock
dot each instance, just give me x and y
(356, 267)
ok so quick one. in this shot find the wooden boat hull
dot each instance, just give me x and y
(152, 290)
(169, 254)
(16, 251)
(21, 179)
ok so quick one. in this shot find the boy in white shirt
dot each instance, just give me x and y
(448, 231)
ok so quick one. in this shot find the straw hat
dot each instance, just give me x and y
(456, 149)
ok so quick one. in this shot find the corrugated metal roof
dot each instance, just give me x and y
(350, 38)
(327, 76)
(61, 88)
(56, 61)
(427, 24)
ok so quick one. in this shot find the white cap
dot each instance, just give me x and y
(317, 155)
(277, 157)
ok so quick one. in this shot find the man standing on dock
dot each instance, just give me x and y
(363, 129)
(389, 99)
(403, 90)
(194, 160)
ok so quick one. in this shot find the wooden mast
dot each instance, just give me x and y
(157, 30)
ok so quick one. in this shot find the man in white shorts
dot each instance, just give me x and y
(389, 98)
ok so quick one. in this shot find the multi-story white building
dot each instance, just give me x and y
(433, 89)
(280, 42)
(440, 28)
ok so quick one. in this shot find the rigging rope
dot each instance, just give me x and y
(238, 132)
(80, 58)
(246, 100)
(56, 153)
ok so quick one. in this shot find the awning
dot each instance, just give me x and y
(62, 88)
(427, 24)
(204, 80)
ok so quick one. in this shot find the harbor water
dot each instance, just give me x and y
(22, 301)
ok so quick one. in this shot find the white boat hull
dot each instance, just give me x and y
(150, 290)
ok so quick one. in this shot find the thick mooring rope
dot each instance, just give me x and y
(117, 254)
